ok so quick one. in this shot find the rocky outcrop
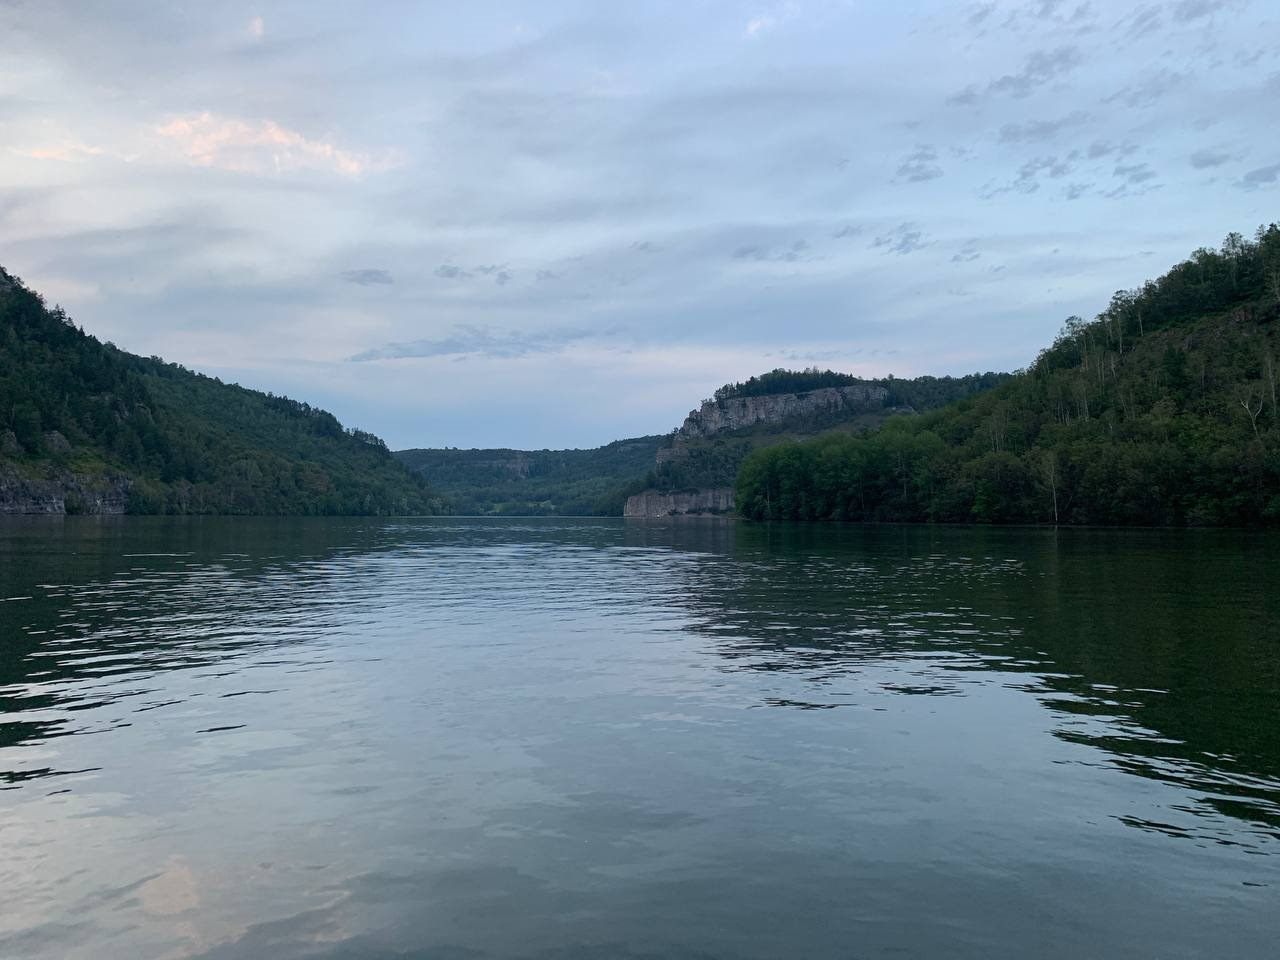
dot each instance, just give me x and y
(651, 503)
(62, 494)
(56, 443)
(735, 413)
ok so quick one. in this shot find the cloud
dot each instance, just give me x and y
(1263, 175)
(498, 271)
(1188, 10)
(904, 239)
(797, 251)
(979, 14)
(1038, 131)
(66, 152)
(1203, 159)
(470, 341)
(849, 230)
(263, 146)
(967, 254)
(1135, 173)
(764, 22)
(920, 165)
(1028, 179)
(367, 277)
(256, 28)
(1149, 89)
(1075, 191)
(1042, 66)
(1146, 20)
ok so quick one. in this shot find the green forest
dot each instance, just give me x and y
(1162, 410)
(592, 482)
(77, 413)
(715, 461)
(922, 393)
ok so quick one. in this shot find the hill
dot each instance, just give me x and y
(696, 467)
(592, 482)
(1160, 411)
(88, 428)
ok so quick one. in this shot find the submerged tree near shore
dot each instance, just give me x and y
(1161, 411)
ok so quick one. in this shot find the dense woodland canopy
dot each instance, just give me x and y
(180, 442)
(592, 482)
(919, 392)
(715, 461)
(1161, 411)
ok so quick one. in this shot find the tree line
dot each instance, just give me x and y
(181, 442)
(1162, 410)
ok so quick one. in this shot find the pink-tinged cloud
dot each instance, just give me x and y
(66, 152)
(227, 143)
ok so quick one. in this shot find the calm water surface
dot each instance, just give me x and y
(575, 739)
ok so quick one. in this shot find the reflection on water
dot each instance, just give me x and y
(551, 738)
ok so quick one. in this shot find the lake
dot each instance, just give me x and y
(459, 739)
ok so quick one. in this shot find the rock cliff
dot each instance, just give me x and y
(651, 503)
(61, 494)
(735, 413)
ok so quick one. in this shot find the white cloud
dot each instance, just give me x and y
(229, 143)
(256, 28)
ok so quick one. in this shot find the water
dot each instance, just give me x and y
(595, 739)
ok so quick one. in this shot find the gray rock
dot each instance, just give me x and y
(651, 503)
(718, 416)
(20, 494)
(55, 442)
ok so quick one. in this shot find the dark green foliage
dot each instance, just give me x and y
(715, 461)
(779, 380)
(1161, 411)
(922, 393)
(592, 482)
(184, 443)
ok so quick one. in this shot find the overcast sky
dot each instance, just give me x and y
(560, 223)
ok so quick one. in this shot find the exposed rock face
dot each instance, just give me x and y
(717, 416)
(701, 502)
(67, 493)
(55, 442)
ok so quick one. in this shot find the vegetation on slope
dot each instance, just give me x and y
(1161, 411)
(715, 461)
(177, 441)
(592, 482)
(921, 393)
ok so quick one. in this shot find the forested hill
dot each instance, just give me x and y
(1160, 411)
(86, 427)
(592, 482)
(919, 393)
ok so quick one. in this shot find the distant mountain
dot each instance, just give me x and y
(696, 467)
(593, 482)
(88, 428)
(1162, 410)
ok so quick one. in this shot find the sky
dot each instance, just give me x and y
(557, 224)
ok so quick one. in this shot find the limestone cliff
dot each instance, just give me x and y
(736, 413)
(61, 493)
(651, 503)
